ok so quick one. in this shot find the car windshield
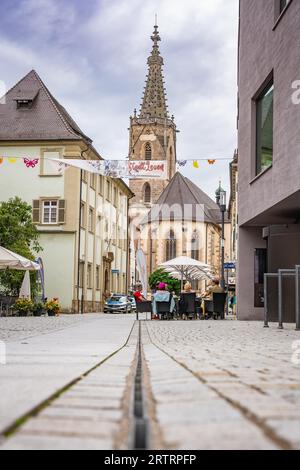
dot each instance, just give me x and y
(120, 300)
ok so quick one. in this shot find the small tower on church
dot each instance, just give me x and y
(152, 131)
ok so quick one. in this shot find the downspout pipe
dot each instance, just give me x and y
(80, 304)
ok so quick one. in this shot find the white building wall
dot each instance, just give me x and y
(57, 255)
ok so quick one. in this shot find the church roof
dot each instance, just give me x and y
(183, 200)
(45, 118)
(154, 104)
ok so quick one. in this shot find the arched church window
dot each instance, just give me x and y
(171, 246)
(195, 246)
(148, 151)
(147, 193)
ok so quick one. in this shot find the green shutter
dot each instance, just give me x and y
(61, 211)
(36, 211)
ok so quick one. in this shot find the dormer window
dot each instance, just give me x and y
(25, 99)
(24, 104)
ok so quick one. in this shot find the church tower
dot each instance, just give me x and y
(152, 131)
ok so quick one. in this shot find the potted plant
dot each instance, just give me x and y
(53, 307)
(38, 309)
(23, 307)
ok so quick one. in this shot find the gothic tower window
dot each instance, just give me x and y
(171, 246)
(147, 193)
(148, 151)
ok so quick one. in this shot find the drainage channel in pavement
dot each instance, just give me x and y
(140, 426)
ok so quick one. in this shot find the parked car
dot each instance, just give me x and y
(118, 303)
(133, 302)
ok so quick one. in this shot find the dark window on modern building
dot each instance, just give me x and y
(260, 268)
(280, 6)
(283, 4)
(148, 151)
(264, 129)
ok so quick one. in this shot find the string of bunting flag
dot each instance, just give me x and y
(196, 163)
(154, 169)
(112, 168)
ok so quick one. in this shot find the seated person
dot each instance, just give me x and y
(163, 295)
(138, 295)
(208, 295)
(213, 288)
(187, 288)
(182, 302)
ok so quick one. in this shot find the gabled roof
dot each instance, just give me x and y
(187, 202)
(46, 119)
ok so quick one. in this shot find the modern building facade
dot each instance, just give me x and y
(82, 217)
(269, 152)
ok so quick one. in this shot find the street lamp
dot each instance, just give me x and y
(221, 201)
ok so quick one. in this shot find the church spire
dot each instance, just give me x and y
(154, 99)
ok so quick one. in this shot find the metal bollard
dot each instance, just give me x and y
(266, 323)
(280, 306)
(297, 270)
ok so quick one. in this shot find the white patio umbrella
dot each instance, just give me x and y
(188, 268)
(25, 291)
(10, 260)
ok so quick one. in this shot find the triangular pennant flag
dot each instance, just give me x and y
(58, 167)
(1, 160)
(196, 164)
(12, 159)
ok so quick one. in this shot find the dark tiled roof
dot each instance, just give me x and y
(47, 119)
(188, 201)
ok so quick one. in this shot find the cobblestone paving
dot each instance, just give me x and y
(15, 328)
(224, 385)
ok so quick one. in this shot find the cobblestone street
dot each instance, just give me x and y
(207, 385)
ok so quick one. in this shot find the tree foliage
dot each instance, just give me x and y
(19, 234)
(160, 275)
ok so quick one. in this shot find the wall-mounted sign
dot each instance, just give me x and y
(229, 266)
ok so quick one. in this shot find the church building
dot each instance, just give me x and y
(172, 217)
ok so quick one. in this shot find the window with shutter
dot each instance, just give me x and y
(62, 211)
(36, 211)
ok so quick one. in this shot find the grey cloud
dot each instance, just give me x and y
(97, 67)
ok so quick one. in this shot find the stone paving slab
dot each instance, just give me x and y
(45, 363)
(59, 442)
(15, 328)
(76, 422)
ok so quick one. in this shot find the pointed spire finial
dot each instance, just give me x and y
(154, 98)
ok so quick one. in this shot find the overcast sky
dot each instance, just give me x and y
(92, 55)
